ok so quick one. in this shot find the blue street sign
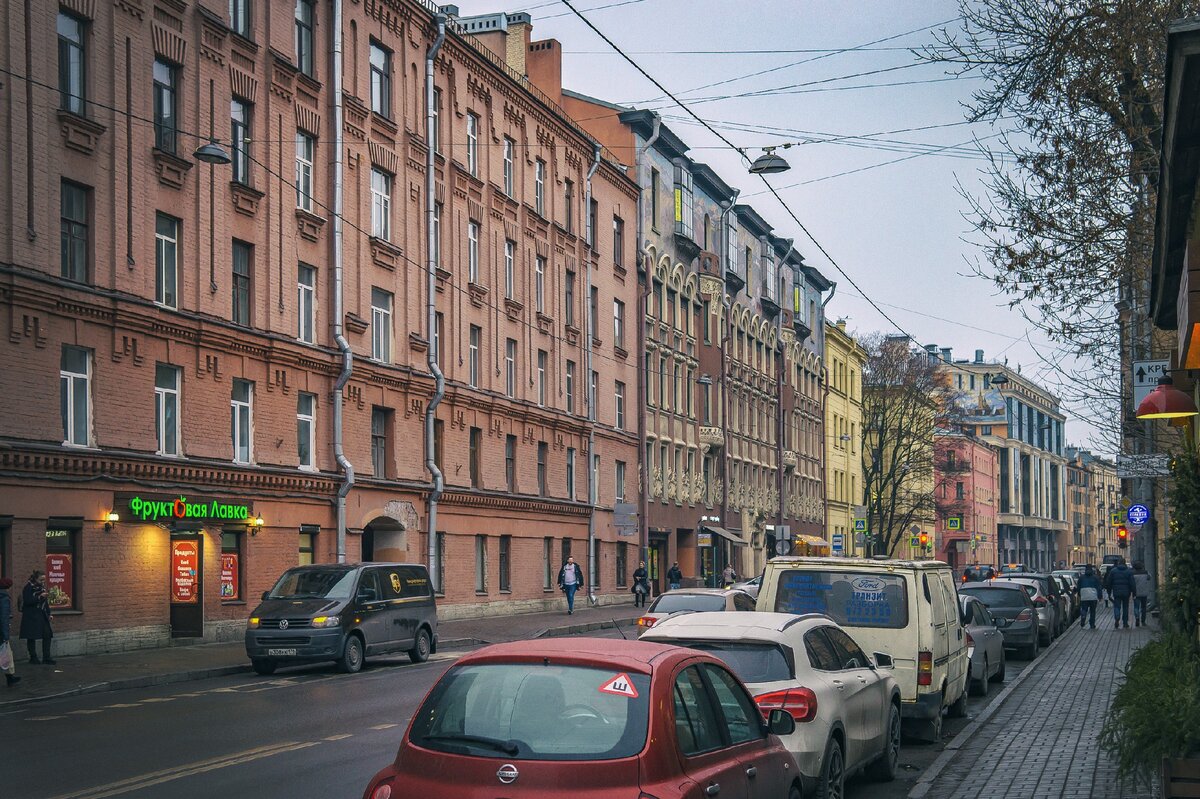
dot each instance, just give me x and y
(1138, 514)
(837, 542)
(860, 525)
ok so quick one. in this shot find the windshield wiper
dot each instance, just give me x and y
(507, 747)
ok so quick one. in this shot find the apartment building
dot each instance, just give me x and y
(844, 361)
(966, 482)
(1094, 502)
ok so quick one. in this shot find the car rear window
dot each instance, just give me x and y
(535, 712)
(673, 603)
(852, 599)
(753, 662)
(996, 597)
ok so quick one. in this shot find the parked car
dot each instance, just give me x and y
(1068, 581)
(976, 573)
(693, 600)
(591, 717)
(985, 645)
(908, 609)
(749, 586)
(1012, 609)
(343, 612)
(1052, 589)
(846, 707)
(1045, 608)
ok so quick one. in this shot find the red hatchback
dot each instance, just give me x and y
(595, 718)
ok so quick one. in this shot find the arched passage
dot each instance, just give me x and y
(384, 539)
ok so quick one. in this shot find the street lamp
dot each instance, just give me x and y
(768, 163)
(212, 153)
(1166, 402)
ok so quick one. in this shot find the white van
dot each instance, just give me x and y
(905, 609)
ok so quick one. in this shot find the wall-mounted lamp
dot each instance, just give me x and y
(1166, 402)
(110, 519)
(253, 525)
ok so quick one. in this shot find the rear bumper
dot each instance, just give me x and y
(1022, 635)
(309, 645)
(925, 706)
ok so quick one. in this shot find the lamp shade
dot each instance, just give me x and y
(1166, 402)
(769, 164)
(212, 153)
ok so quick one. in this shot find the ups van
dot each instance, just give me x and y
(343, 612)
(907, 610)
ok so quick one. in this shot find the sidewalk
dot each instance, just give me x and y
(139, 668)
(1043, 738)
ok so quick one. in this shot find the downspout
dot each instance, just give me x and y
(824, 432)
(728, 308)
(780, 426)
(339, 449)
(439, 380)
(643, 301)
(593, 494)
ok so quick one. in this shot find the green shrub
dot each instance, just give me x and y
(1156, 711)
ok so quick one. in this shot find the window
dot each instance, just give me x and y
(381, 325)
(547, 563)
(619, 483)
(570, 387)
(569, 298)
(473, 251)
(505, 562)
(243, 253)
(62, 565)
(570, 474)
(166, 115)
(655, 182)
(541, 368)
(306, 288)
(73, 224)
(958, 490)
(475, 445)
(435, 137)
(539, 187)
(696, 725)
(593, 215)
(437, 234)
(239, 136)
(438, 328)
(381, 204)
(620, 397)
(166, 257)
(566, 549)
(307, 550)
(568, 206)
(622, 564)
(509, 146)
(684, 206)
(380, 435)
(306, 429)
(475, 335)
(166, 408)
(473, 144)
(510, 268)
(304, 36)
(542, 452)
(618, 240)
(593, 311)
(510, 463)
(241, 403)
(481, 564)
(75, 366)
(381, 80)
(239, 17)
(439, 441)
(742, 719)
(305, 145)
(231, 563)
(619, 324)
(72, 84)
(510, 367)
(540, 284)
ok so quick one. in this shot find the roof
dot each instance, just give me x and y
(868, 562)
(751, 220)
(619, 654)
(642, 123)
(718, 625)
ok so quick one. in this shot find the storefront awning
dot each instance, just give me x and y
(733, 538)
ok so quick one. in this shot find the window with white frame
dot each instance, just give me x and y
(381, 204)
(166, 257)
(570, 387)
(509, 147)
(619, 483)
(306, 429)
(541, 367)
(381, 325)
(731, 244)
(435, 132)
(239, 137)
(381, 80)
(166, 408)
(619, 323)
(305, 145)
(510, 268)
(539, 285)
(510, 367)
(473, 251)
(75, 400)
(473, 144)
(241, 405)
(437, 234)
(306, 289)
(473, 355)
(72, 64)
(620, 401)
(539, 187)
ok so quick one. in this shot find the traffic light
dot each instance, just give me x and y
(923, 538)
(1122, 536)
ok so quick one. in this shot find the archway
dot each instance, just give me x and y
(384, 539)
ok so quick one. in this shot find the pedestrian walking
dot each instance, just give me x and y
(729, 576)
(674, 576)
(641, 585)
(570, 580)
(7, 661)
(1141, 593)
(1089, 589)
(1121, 587)
(35, 617)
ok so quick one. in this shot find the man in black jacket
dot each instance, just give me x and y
(570, 580)
(674, 576)
(1120, 585)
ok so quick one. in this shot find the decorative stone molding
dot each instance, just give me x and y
(355, 323)
(712, 438)
(309, 225)
(171, 169)
(169, 44)
(544, 323)
(656, 482)
(790, 459)
(443, 278)
(79, 133)
(477, 293)
(245, 199)
(572, 335)
(513, 308)
(385, 254)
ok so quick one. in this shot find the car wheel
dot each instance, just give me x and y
(420, 651)
(884, 767)
(263, 666)
(351, 661)
(981, 685)
(999, 675)
(833, 773)
(1044, 638)
(959, 709)
(795, 793)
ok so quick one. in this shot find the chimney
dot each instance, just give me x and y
(543, 66)
(946, 354)
(520, 28)
(932, 350)
(978, 356)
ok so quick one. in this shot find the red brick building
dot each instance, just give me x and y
(966, 486)
(189, 310)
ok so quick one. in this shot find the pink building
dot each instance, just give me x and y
(966, 474)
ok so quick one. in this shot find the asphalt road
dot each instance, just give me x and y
(303, 732)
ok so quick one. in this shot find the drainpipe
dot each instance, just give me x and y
(728, 308)
(439, 380)
(824, 432)
(643, 302)
(339, 449)
(593, 494)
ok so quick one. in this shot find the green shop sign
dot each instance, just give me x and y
(172, 508)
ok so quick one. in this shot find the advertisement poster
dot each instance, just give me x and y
(229, 575)
(60, 579)
(185, 572)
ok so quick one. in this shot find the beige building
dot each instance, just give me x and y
(1094, 502)
(844, 361)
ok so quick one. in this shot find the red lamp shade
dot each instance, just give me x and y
(1166, 402)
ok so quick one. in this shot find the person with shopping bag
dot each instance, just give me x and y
(7, 662)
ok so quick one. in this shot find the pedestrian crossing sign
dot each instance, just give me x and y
(860, 525)
(1117, 519)
(954, 523)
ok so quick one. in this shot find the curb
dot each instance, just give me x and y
(134, 682)
(925, 783)
(576, 629)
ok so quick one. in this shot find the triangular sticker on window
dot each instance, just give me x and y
(620, 685)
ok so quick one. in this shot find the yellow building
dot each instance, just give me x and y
(844, 361)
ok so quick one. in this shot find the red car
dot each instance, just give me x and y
(590, 718)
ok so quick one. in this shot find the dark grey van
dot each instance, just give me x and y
(343, 612)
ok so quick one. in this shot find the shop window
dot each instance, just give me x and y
(231, 566)
(308, 544)
(62, 563)
(547, 563)
(480, 564)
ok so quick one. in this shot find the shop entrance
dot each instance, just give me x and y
(656, 565)
(187, 585)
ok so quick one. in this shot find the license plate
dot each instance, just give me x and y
(279, 653)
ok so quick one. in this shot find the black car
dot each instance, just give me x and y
(978, 573)
(1012, 610)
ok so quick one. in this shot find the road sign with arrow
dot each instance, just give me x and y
(1145, 378)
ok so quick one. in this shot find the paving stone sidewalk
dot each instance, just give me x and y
(1044, 741)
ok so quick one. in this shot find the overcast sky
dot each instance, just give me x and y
(892, 221)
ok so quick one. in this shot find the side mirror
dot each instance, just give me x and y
(266, 595)
(883, 660)
(780, 722)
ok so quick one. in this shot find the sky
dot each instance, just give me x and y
(887, 208)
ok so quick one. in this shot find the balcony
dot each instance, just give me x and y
(770, 306)
(712, 438)
(790, 460)
(734, 282)
(803, 331)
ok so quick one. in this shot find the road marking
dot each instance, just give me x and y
(384, 726)
(154, 699)
(339, 736)
(46, 718)
(86, 712)
(122, 704)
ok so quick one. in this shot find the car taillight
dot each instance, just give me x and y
(382, 791)
(925, 668)
(801, 703)
(647, 621)
(1024, 615)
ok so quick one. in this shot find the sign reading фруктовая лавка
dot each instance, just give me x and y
(156, 508)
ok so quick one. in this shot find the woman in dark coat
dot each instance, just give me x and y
(10, 674)
(35, 616)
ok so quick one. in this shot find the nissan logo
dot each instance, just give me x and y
(283, 624)
(508, 773)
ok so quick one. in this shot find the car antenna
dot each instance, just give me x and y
(614, 621)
